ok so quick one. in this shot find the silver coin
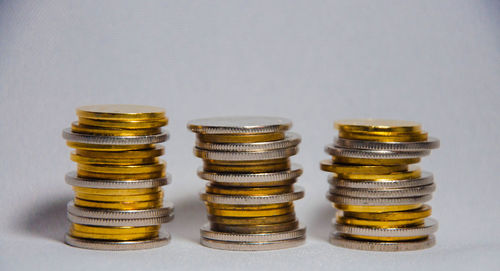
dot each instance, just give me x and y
(430, 143)
(424, 179)
(430, 226)
(71, 178)
(110, 222)
(241, 124)
(294, 172)
(207, 233)
(297, 194)
(96, 244)
(338, 240)
(166, 210)
(384, 193)
(252, 246)
(374, 154)
(338, 199)
(291, 140)
(245, 156)
(114, 140)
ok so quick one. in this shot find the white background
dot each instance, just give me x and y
(436, 62)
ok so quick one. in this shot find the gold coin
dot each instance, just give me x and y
(137, 205)
(114, 237)
(374, 125)
(381, 138)
(255, 229)
(112, 161)
(120, 198)
(93, 130)
(114, 230)
(120, 112)
(125, 177)
(330, 166)
(240, 138)
(379, 223)
(108, 148)
(420, 213)
(252, 220)
(413, 173)
(375, 162)
(376, 209)
(247, 207)
(116, 192)
(250, 213)
(123, 124)
(246, 169)
(385, 239)
(126, 154)
(134, 169)
(254, 191)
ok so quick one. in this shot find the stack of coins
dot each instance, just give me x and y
(250, 196)
(377, 189)
(118, 202)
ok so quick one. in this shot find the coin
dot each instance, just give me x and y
(114, 140)
(253, 191)
(377, 208)
(136, 124)
(240, 138)
(345, 200)
(430, 226)
(112, 161)
(134, 205)
(120, 112)
(422, 212)
(379, 223)
(255, 229)
(250, 213)
(412, 172)
(159, 241)
(122, 154)
(373, 125)
(298, 193)
(166, 210)
(264, 237)
(238, 125)
(252, 167)
(374, 154)
(290, 140)
(384, 193)
(425, 178)
(119, 222)
(72, 179)
(430, 143)
(339, 240)
(252, 220)
(245, 156)
(129, 169)
(331, 166)
(94, 130)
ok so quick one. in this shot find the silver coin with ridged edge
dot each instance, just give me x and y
(430, 226)
(298, 193)
(393, 246)
(166, 210)
(111, 222)
(268, 177)
(162, 240)
(252, 237)
(291, 140)
(384, 193)
(374, 154)
(71, 178)
(339, 199)
(238, 125)
(430, 143)
(114, 140)
(245, 156)
(252, 246)
(424, 179)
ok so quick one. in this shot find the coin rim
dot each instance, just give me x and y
(337, 239)
(359, 201)
(71, 178)
(373, 154)
(115, 140)
(291, 140)
(298, 193)
(430, 143)
(424, 179)
(430, 226)
(282, 124)
(95, 244)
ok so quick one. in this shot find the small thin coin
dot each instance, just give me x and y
(235, 207)
(112, 161)
(119, 198)
(374, 125)
(116, 192)
(422, 212)
(102, 148)
(125, 177)
(345, 200)
(409, 137)
(238, 125)
(252, 246)
(242, 168)
(378, 223)
(121, 112)
(123, 124)
(129, 169)
(110, 222)
(341, 241)
(330, 166)
(159, 241)
(137, 205)
(166, 210)
(250, 213)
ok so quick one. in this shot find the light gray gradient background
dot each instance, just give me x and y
(436, 62)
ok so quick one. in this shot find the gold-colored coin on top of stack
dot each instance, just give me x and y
(118, 202)
(379, 193)
(250, 196)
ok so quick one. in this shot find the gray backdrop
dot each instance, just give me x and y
(436, 62)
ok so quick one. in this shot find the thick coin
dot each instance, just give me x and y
(412, 172)
(149, 153)
(93, 130)
(114, 140)
(118, 176)
(159, 241)
(430, 143)
(124, 112)
(243, 167)
(375, 162)
(430, 226)
(378, 125)
(425, 178)
(342, 241)
(379, 224)
(245, 156)
(72, 179)
(345, 200)
(422, 212)
(255, 229)
(239, 138)
(252, 191)
(250, 213)
(123, 124)
(376, 208)
(166, 210)
(136, 205)
(103, 148)
(384, 193)
(291, 140)
(373, 154)
(239, 125)
(112, 222)
(207, 233)
(112, 161)
(330, 166)
(298, 193)
(252, 220)
(408, 137)
(119, 198)
(116, 192)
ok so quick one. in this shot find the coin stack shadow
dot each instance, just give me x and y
(118, 202)
(377, 190)
(250, 196)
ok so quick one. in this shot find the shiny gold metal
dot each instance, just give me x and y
(116, 192)
(250, 213)
(122, 112)
(255, 229)
(378, 125)
(133, 169)
(120, 198)
(240, 168)
(136, 205)
(114, 233)
(331, 166)
(252, 220)
(130, 154)
(385, 239)
(112, 161)
(247, 207)
(134, 124)
(420, 213)
(379, 223)
(253, 191)
(375, 162)
(84, 129)
(376, 209)
(111, 176)
(383, 138)
(240, 138)
(403, 175)
(108, 148)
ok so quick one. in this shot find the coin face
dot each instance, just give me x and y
(242, 124)
(120, 111)
(378, 125)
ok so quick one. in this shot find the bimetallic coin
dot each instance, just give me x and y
(110, 222)
(291, 140)
(341, 241)
(116, 192)
(430, 143)
(345, 200)
(239, 138)
(72, 179)
(245, 156)
(239, 125)
(384, 193)
(373, 154)
(422, 212)
(297, 193)
(114, 140)
(207, 233)
(429, 227)
(159, 241)
(124, 112)
(425, 178)
(330, 166)
(378, 125)
(165, 211)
